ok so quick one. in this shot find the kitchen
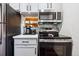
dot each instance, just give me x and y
(32, 29)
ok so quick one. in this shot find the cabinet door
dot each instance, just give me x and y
(34, 7)
(25, 51)
(57, 6)
(15, 6)
(43, 6)
(24, 7)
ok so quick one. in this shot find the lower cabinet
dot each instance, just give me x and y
(25, 51)
(25, 47)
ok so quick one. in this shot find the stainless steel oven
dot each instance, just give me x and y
(56, 45)
(55, 49)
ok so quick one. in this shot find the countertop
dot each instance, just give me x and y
(26, 36)
(60, 38)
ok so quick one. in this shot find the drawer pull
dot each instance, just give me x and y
(25, 41)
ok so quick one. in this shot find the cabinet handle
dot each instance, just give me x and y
(27, 8)
(25, 41)
(35, 51)
(47, 5)
(30, 7)
(50, 5)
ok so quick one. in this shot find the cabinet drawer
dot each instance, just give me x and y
(25, 45)
(25, 41)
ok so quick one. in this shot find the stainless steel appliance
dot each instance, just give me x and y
(9, 26)
(2, 29)
(56, 45)
(50, 21)
(55, 49)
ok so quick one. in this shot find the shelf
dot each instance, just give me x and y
(45, 26)
(31, 18)
(48, 30)
(35, 28)
(31, 22)
(50, 20)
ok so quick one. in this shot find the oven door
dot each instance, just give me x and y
(52, 49)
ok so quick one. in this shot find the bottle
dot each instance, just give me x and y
(30, 30)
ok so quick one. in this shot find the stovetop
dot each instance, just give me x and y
(54, 37)
(60, 38)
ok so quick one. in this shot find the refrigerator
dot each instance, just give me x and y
(9, 27)
(2, 29)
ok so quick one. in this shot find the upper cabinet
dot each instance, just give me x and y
(25, 7)
(42, 6)
(53, 6)
(57, 7)
(34, 7)
(15, 6)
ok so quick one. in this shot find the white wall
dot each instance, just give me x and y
(71, 24)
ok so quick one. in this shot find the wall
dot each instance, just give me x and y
(71, 24)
